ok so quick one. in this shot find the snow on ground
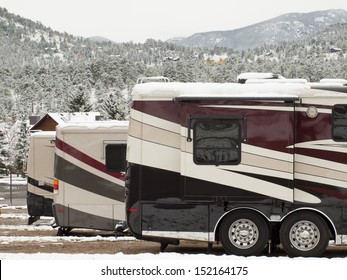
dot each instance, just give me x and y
(152, 266)
(166, 266)
(15, 180)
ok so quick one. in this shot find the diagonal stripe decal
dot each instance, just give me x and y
(66, 171)
(70, 150)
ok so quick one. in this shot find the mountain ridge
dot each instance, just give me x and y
(286, 27)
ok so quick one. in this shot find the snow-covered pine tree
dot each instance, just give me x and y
(21, 148)
(115, 106)
(2, 148)
(78, 101)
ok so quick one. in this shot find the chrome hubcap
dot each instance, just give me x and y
(304, 235)
(243, 233)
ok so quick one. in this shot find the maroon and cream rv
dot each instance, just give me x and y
(89, 170)
(246, 165)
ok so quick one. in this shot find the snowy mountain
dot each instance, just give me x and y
(44, 71)
(288, 27)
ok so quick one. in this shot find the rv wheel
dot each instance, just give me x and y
(304, 234)
(244, 233)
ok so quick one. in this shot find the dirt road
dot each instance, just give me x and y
(18, 237)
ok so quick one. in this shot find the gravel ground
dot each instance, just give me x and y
(16, 236)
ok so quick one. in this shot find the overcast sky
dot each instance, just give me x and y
(138, 20)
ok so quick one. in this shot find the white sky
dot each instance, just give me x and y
(138, 20)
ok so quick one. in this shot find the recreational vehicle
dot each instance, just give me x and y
(89, 171)
(40, 175)
(246, 165)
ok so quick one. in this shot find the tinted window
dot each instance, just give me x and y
(217, 142)
(339, 118)
(116, 157)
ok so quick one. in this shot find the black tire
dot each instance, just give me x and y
(244, 233)
(63, 231)
(304, 234)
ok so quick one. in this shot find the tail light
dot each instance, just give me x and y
(56, 186)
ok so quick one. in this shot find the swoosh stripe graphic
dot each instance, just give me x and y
(66, 172)
(86, 159)
(322, 190)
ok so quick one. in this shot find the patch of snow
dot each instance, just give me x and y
(15, 180)
(9, 239)
(14, 216)
(319, 19)
(167, 266)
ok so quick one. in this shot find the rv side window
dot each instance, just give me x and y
(217, 143)
(115, 157)
(339, 118)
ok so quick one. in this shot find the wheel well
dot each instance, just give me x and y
(327, 220)
(218, 225)
(275, 226)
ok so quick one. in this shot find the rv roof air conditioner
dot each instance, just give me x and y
(276, 81)
(243, 77)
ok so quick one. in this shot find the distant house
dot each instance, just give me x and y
(51, 120)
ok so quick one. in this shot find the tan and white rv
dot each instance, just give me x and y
(40, 175)
(90, 161)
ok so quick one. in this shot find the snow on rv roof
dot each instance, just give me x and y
(93, 125)
(74, 117)
(219, 90)
(258, 75)
(43, 134)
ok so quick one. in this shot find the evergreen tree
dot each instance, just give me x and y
(78, 102)
(115, 106)
(21, 149)
(7, 139)
(2, 149)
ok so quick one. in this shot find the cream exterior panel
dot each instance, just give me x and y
(301, 196)
(320, 163)
(155, 134)
(154, 121)
(41, 161)
(134, 150)
(144, 152)
(321, 172)
(104, 210)
(266, 163)
(135, 128)
(153, 155)
(266, 153)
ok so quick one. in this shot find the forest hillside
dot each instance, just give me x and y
(47, 71)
